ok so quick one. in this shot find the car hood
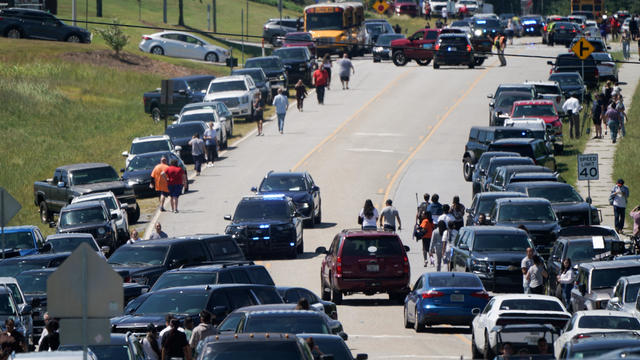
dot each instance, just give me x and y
(531, 225)
(501, 256)
(293, 61)
(181, 141)
(138, 321)
(570, 207)
(82, 228)
(296, 196)
(143, 174)
(135, 270)
(99, 187)
(258, 223)
(547, 119)
(226, 94)
(273, 72)
(572, 88)
(400, 42)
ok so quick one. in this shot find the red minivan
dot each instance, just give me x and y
(365, 261)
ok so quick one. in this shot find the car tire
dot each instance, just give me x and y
(376, 60)
(45, 215)
(157, 50)
(472, 64)
(488, 352)
(467, 171)
(478, 61)
(424, 62)
(417, 326)
(211, 57)
(156, 115)
(73, 38)
(14, 33)
(300, 248)
(407, 323)
(436, 66)
(399, 58)
(324, 293)
(135, 215)
(336, 295)
(318, 218)
(475, 353)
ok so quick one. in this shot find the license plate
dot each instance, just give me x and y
(457, 298)
(451, 48)
(373, 267)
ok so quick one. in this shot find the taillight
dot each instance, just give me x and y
(437, 47)
(481, 294)
(558, 98)
(127, 279)
(432, 294)
(145, 37)
(405, 265)
(339, 266)
(468, 47)
(597, 73)
(545, 28)
(550, 71)
(582, 336)
(556, 123)
(573, 30)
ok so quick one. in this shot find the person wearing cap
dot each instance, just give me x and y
(618, 198)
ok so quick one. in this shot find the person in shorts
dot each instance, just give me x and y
(160, 182)
(345, 69)
(175, 179)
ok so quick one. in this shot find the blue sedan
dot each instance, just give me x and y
(444, 298)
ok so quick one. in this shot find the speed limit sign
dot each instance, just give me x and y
(588, 167)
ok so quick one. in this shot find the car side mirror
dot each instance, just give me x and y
(550, 62)
(362, 357)
(406, 248)
(124, 206)
(254, 189)
(343, 335)
(315, 188)
(489, 96)
(125, 153)
(492, 104)
(178, 148)
(463, 247)
(52, 224)
(122, 170)
(475, 311)
(321, 250)
(608, 47)
(61, 184)
(45, 248)
(227, 217)
(114, 216)
(614, 301)
(588, 200)
(105, 250)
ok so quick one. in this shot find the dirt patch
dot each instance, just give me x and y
(128, 61)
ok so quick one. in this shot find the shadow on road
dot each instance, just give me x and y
(368, 302)
(449, 330)
(324, 225)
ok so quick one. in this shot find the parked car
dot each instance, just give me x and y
(602, 346)
(181, 134)
(13, 266)
(625, 294)
(275, 71)
(182, 45)
(485, 27)
(607, 67)
(382, 48)
(34, 286)
(504, 174)
(598, 43)
(539, 130)
(68, 242)
(532, 25)
(502, 105)
(453, 49)
(405, 7)
(23, 308)
(483, 203)
(232, 272)
(273, 29)
(300, 39)
(186, 90)
(364, 261)
(260, 79)
(204, 116)
(549, 90)
(496, 164)
(151, 143)
(300, 187)
(298, 62)
(224, 114)
(37, 24)
(563, 32)
(443, 298)
(539, 109)
(69, 181)
(570, 63)
(536, 149)
(138, 173)
(114, 207)
(595, 281)
(546, 29)
(481, 167)
(145, 261)
(236, 91)
(121, 346)
(419, 47)
(293, 294)
(266, 225)
(570, 84)
(373, 28)
(493, 253)
(91, 217)
(21, 241)
(333, 345)
(264, 346)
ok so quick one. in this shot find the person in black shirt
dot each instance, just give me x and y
(175, 343)
(258, 109)
(12, 339)
(52, 340)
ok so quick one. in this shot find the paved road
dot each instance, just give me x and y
(398, 131)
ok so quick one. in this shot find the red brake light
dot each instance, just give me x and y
(338, 266)
(437, 47)
(127, 279)
(582, 336)
(573, 30)
(405, 264)
(145, 37)
(545, 28)
(481, 294)
(432, 294)
(468, 47)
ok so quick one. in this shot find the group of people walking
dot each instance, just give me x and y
(176, 340)
(609, 108)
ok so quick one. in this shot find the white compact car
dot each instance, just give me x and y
(114, 206)
(596, 321)
(513, 309)
(207, 115)
(236, 92)
(182, 45)
(147, 144)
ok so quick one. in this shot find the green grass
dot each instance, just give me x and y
(568, 162)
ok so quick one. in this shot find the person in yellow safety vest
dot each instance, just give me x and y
(500, 43)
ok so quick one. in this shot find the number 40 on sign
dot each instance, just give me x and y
(588, 167)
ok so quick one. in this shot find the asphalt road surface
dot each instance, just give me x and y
(398, 131)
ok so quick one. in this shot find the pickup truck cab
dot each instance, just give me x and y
(418, 47)
(188, 89)
(21, 241)
(596, 280)
(69, 181)
(235, 91)
(114, 207)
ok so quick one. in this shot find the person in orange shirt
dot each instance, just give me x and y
(160, 182)
(427, 226)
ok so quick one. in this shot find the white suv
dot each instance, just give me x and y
(114, 206)
(207, 115)
(147, 144)
(236, 92)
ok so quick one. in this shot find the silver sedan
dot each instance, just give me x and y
(182, 45)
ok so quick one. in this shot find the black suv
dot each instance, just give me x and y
(534, 213)
(245, 272)
(189, 301)
(570, 83)
(504, 174)
(494, 253)
(300, 187)
(267, 224)
(36, 24)
(298, 62)
(453, 49)
(534, 148)
(137, 174)
(14, 266)
(484, 202)
(269, 345)
(482, 165)
(496, 164)
(92, 217)
(570, 207)
(274, 69)
(145, 261)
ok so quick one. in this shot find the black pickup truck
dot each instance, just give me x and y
(570, 63)
(186, 90)
(69, 181)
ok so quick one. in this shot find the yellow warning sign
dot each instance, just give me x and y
(582, 48)
(380, 6)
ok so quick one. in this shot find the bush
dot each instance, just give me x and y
(114, 37)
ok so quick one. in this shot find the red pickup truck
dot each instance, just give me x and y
(418, 47)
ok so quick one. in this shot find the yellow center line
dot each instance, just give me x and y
(344, 123)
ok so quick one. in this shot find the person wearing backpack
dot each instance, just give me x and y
(423, 232)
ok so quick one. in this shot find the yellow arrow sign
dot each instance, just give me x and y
(582, 48)
(380, 6)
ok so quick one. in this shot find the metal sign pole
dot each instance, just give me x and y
(589, 196)
(242, 32)
(582, 100)
(3, 224)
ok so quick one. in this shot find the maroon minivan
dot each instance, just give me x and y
(365, 261)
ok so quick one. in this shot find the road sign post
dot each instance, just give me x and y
(9, 207)
(588, 169)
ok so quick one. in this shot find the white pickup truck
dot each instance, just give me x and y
(237, 92)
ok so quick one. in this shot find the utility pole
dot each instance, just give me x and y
(164, 11)
(73, 12)
(215, 28)
(242, 32)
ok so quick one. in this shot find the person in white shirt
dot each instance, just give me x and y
(281, 104)
(572, 108)
(46, 317)
(368, 216)
(566, 279)
(150, 345)
(446, 216)
(134, 237)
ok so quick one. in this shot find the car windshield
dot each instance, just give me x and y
(324, 21)
(507, 100)
(582, 251)
(286, 324)
(385, 40)
(501, 242)
(631, 293)
(607, 278)
(296, 53)
(333, 346)
(298, 37)
(205, 116)
(256, 75)
(366, 246)
(506, 133)
(547, 89)
(94, 175)
(441, 280)
(234, 85)
(168, 280)
(260, 210)
(283, 183)
(199, 85)
(62, 244)
(485, 205)
(11, 268)
(573, 61)
(269, 63)
(93, 215)
(609, 322)
(530, 304)
(6, 306)
(144, 147)
(566, 80)
(555, 194)
(134, 255)
(375, 28)
(33, 283)
(19, 240)
(251, 351)
(526, 212)
(534, 110)
(106, 352)
(185, 130)
(459, 24)
(174, 302)
(144, 162)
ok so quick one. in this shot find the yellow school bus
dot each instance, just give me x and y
(585, 7)
(336, 27)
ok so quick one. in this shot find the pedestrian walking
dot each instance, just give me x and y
(437, 245)
(525, 265)
(175, 180)
(596, 115)
(422, 207)
(258, 112)
(46, 318)
(511, 29)
(301, 94)
(160, 182)
(158, 233)
(175, 344)
(607, 92)
(425, 233)
(150, 345)
(51, 341)
(426, 9)
(445, 13)
(618, 198)
(388, 217)
(345, 69)
(435, 208)
(566, 279)
(326, 65)
(633, 27)
(167, 327)
(620, 108)
(319, 80)
(134, 237)
(448, 238)
(446, 215)
(536, 276)
(204, 329)
(210, 137)
(368, 216)
(457, 211)
(625, 39)
(281, 104)
(397, 29)
(500, 43)
(612, 116)
(197, 152)
(572, 108)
